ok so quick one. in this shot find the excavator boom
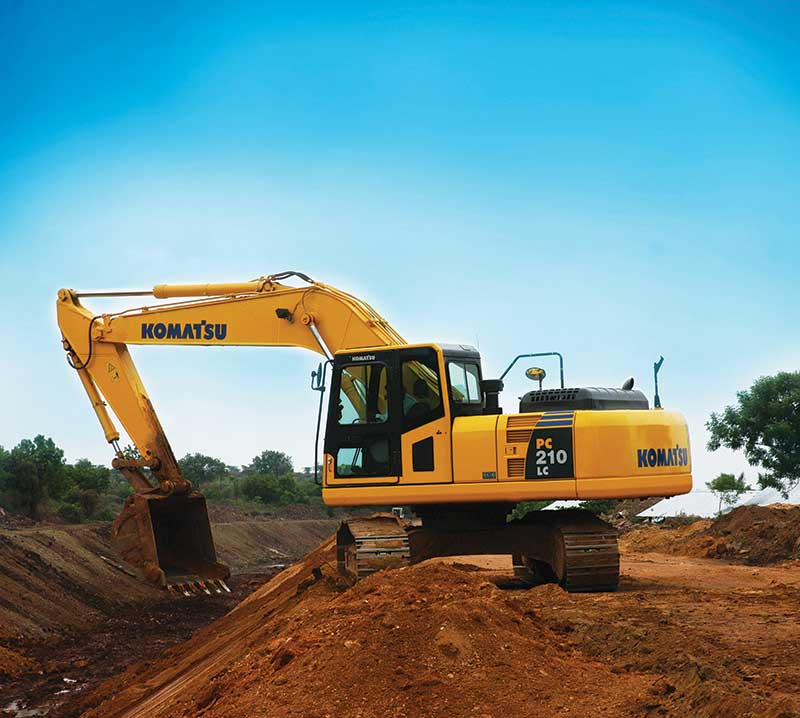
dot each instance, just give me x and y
(164, 529)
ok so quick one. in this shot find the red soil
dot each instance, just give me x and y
(756, 535)
(437, 640)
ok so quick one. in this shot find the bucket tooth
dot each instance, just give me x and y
(179, 589)
(225, 585)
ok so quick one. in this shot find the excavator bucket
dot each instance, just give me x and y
(168, 538)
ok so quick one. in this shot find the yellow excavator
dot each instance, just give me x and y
(407, 425)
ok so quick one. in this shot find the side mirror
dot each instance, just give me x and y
(536, 373)
(318, 379)
(627, 385)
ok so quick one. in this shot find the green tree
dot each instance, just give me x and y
(36, 472)
(89, 501)
(271, 463)
(129, 451)
(4, 458)
(271, 489)
(87, 476)
(201, 469)
(765, 423)
(728, 488)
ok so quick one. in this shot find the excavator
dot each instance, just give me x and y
(406, 425)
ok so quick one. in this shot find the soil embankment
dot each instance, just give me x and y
(58, 580)
(755, 535)
(71, 614)
(681, 637)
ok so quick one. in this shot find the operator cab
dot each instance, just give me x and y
(387, 404)
(391, 410)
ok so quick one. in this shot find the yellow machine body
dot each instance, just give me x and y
(406, 424)
(607, 446)
(488, 458)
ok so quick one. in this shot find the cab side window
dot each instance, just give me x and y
(422, 394)
(465, 383)
(369, 458)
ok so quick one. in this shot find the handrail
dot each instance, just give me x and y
(538, 354)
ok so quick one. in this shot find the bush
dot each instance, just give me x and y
(598, 506)
(71, 513)
(221, 490)
(88, 500)
(271, 489)
(525, 507)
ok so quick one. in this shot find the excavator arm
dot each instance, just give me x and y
(164, 527)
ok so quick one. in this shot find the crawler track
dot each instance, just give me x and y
(591, 559)
(572, 548)
(366, 545)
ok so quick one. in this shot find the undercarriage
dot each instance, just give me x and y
(573, 548)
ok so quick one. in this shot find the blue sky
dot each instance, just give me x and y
(613, 181)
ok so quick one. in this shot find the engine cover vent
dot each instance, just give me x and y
(587, 397)
(516, 468)
(520, 428)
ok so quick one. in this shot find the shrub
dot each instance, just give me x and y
(71, 513)
(598, 506)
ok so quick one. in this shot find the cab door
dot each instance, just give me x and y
(363, 434)
(425, 438)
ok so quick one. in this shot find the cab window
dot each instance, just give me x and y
(363, 394)
(465, 383)
(422, 394)
(370, 458)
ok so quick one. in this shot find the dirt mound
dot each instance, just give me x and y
(427, 640)
(437, 640)
(659, 539)
(221, 514)
(755, 535)
(55, 580)
(293, 512)
(14, 521)
(759, 535)
(71, 615)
